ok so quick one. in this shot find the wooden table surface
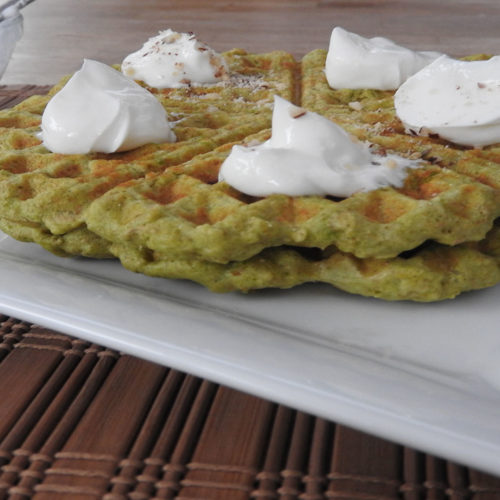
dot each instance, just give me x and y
(60, 33)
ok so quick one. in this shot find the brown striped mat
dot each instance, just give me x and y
(80, 421)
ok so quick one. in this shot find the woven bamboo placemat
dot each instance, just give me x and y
(80, 421)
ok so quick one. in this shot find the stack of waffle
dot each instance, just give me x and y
(161, 210)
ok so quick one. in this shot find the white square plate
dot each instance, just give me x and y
(424, 375)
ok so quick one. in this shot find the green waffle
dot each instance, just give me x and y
(430, 273)
(161, 210)
(44, 196)
(184, 211)
(451, 199)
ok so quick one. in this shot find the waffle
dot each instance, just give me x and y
(453, 198)
(430, 273)
(370, 116)
(185, 212)
(44, 196)
(161, 210)
(178, 223)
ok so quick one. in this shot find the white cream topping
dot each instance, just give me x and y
(355, 62)
(173, 59)
(457, 100)
(101, 110)
(308, 154)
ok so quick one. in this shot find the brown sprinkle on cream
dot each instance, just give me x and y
(297, 112)
(171, 38)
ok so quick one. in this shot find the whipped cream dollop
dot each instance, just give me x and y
(308, 154)
(457, 100)
(355, 62)
(101, 110)
(173, 59)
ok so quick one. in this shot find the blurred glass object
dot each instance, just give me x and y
(11, 30)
